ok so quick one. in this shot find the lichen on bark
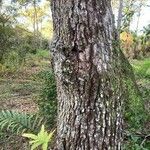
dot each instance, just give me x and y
(89, 76)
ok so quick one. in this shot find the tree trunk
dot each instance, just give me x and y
(1, 3)
(89, 77)
(35, 28)
(120, 15)
(136, 52)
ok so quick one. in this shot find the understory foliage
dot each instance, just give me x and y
(15, 37)
(137, 114)
(47, 101)
(17, 122)
(134, 108)
(134, 45)
(142, 68)
(41, 139)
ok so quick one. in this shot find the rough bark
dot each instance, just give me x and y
(89, 78)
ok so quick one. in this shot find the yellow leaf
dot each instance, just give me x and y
(126, 37)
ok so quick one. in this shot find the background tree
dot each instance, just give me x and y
(16, 22)
(7, 19)
(120, 11)
(145, 41)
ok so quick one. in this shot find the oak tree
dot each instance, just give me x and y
(89, 70)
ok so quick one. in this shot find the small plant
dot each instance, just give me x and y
(18, 123)
(41, 139)
(11, 61)
(136, 142)
(47, 99)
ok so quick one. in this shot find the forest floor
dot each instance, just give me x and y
(19, 90)
(142, 73)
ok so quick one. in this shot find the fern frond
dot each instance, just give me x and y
(17, 122)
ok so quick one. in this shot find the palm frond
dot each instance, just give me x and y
(17, 122)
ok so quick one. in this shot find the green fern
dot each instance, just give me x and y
(17, 122)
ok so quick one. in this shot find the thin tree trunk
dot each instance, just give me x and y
(136, 52)
(35, 26)
(138, 20)
(88, 70)
(120, 15)
(1, 4)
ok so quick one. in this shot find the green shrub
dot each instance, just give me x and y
(47, 101)
(135, 114)
(142, 68)
(41, 54)
(137, 111)
(136, 142)
(13, 124)
(22, 51)
(11, 61)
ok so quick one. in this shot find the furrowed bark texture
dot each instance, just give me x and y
(88, 74)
